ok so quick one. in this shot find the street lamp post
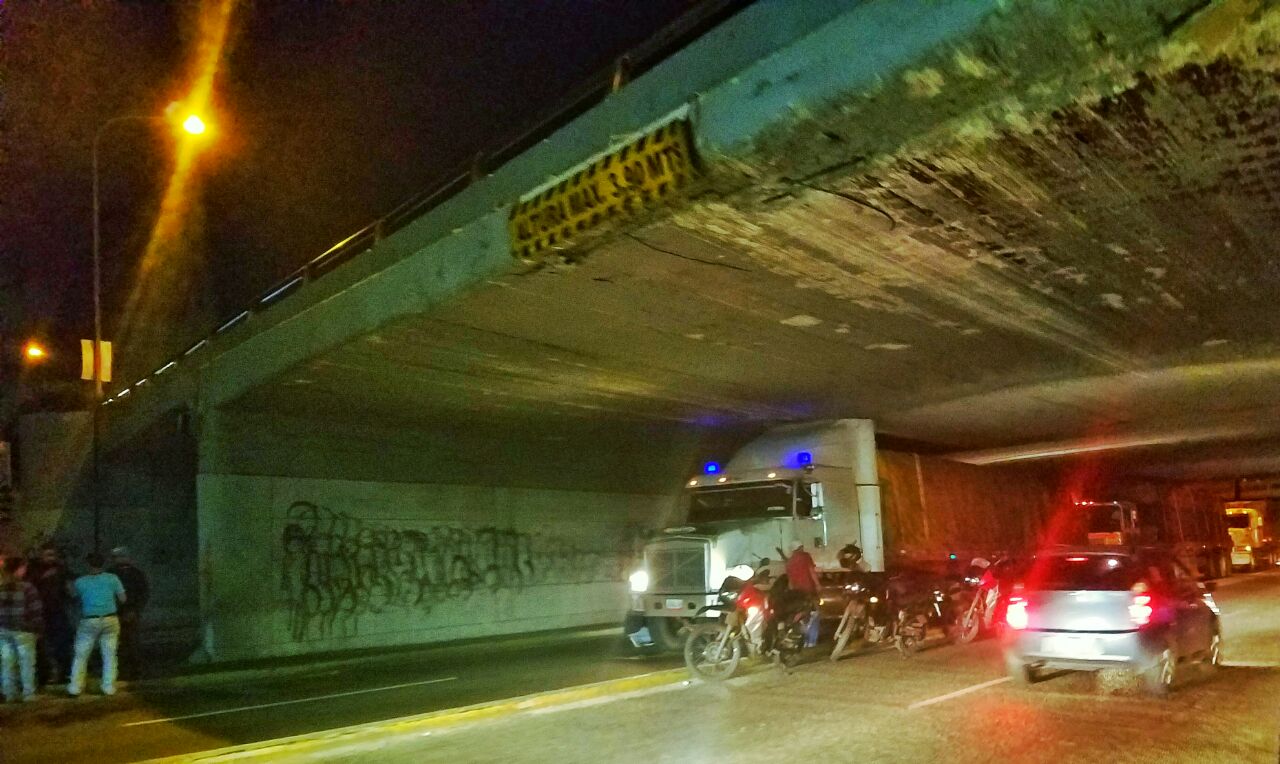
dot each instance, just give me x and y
(194, 125)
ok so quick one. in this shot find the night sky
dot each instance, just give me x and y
(328, 114)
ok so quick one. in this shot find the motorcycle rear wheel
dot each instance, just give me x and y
(706, 658)
(970, 626)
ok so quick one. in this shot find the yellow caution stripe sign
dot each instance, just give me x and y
(626, 180)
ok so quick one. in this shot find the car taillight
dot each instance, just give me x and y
(1015, 614)
(1140, 610)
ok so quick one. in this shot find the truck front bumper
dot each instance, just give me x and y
(673, 605)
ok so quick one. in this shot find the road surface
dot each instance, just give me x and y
(948, 703)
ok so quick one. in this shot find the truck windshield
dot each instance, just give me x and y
(1239, 520)
(748, 502)
(1105, 518)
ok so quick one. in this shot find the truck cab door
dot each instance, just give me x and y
(810, 519)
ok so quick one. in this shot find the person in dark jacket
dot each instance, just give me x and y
(20, 622)
(137, 591)
(49, 574)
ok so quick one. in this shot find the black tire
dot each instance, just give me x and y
(1158, 680)
(842, 641)
(701, 656)
(969, 626)
(1020, 673)
(665, 633)
(852, 625)
(907, 645)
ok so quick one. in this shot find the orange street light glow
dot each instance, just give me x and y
(34, 351)
(194, 125)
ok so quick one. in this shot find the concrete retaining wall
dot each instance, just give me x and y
(147, 503)
(293, 565)
(320, 535)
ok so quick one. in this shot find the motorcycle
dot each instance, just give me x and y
(922, 605)
(917, 615)
(755, 620)
(990, 583)
(867, 614)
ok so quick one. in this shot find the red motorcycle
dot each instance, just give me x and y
(991, 582)
(755, 620)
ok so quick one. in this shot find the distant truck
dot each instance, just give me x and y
(814, 484)
(1252, 525)
(1192, 531)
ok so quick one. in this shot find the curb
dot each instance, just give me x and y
(361, 738)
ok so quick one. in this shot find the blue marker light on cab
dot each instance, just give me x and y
(804, 457)
(711, 468)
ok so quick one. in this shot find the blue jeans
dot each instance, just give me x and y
(17, 656)
(105, 632)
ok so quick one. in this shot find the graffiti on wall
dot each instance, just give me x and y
(336, 569)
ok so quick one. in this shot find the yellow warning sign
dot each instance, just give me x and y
(623, 182)
(91, 362)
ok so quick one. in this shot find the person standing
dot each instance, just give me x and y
(19, 625)
(137, 592)
(100, 595)
(48, 573)
(802, 576)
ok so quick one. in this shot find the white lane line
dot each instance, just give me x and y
(957, 693)
(288, 702)
(1251, 664)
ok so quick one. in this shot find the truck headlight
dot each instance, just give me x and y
(640, 581)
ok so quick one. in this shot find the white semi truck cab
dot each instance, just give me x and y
(813, 484)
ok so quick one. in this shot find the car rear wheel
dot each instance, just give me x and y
(1158, 679)
(1020, 673)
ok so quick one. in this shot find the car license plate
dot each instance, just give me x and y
(675, 604)
(1070, 646)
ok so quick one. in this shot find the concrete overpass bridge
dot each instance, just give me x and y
(1002, 231)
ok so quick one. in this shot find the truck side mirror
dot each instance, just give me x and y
(816, 500)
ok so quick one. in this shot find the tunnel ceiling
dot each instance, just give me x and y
(1105, 268)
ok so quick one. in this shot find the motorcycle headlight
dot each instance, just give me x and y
(640, 581)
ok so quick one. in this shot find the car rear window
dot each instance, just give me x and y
(1094, 572)
(1239, 520)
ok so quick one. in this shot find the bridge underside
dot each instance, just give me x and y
(1027, 276)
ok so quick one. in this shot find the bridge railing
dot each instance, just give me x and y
(593, 91)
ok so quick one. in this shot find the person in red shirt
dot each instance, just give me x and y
(802, 572)
(802, 578)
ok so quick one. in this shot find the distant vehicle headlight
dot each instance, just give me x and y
(640, 581)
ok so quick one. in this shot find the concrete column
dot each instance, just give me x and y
(866, 481)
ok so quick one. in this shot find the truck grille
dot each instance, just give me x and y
(678, 568)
